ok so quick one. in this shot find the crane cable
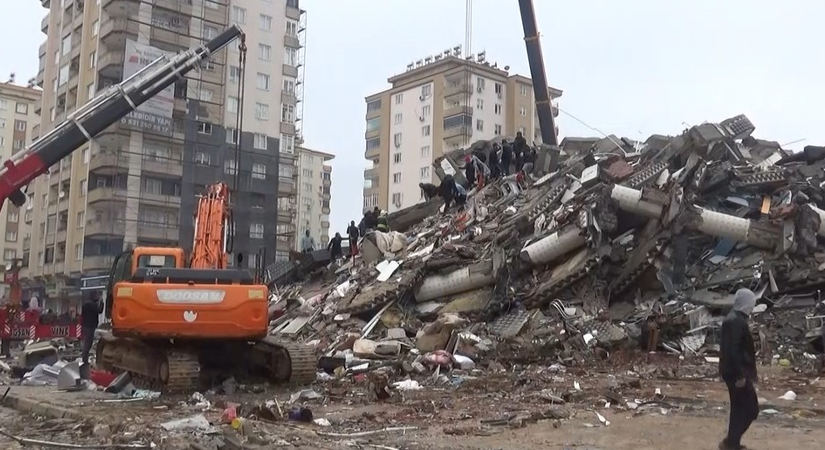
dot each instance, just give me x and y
(230, 244)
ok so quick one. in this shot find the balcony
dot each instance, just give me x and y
(287, 128)
(27, 243)
(458, 88)
(113, 33)
(290, 71)
(372, 134)
(372, 114)
(106, 227)
(163, 166)
(158, 232)
(454, 132)
(44, 24)
(106, 195)
(46, 3)
(293, 12)
(169, 201)
(97, 263)
(288, 98)
(453, 110)
(110, 64)
(286, 186)
(108, 163)
(371, 173)
(291, 40)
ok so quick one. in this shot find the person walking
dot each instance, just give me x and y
(334, 247)
(90, 312)
(737, 366)
(354, 233)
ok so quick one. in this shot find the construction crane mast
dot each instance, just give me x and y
(544, 108)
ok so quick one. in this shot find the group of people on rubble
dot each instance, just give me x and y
(479, 167)
(374, 219)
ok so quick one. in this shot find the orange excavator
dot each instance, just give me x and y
(172, 323)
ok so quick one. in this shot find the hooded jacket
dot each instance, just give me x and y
(737, 356)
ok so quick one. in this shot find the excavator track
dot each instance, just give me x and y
(288, 362)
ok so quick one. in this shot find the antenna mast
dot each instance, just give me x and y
(468, 29)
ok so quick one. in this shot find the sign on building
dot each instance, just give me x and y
(94, 283)
(155, 115)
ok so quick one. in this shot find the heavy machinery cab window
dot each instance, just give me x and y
(156, 261)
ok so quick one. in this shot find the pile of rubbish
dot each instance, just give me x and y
(625, 244)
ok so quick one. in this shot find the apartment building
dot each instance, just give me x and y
(314, 193)
(439, 104)
(138, 182)
(18, 123)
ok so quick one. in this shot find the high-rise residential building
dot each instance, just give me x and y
(438, 105)
(314, 193)
(18, 123)
(137, 183)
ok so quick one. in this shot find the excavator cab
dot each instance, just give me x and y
(126, 264)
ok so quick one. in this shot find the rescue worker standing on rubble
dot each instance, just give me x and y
(493, 161)
(354, 233)
(469, 171)
(334, 247)
(307, 243)
(506, 157)
(737, 366)
(519, 148)
(89, 313)
(430, 190)
(383, 223)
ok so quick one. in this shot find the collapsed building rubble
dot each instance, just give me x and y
(627, 241)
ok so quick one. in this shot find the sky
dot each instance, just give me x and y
(631, 68)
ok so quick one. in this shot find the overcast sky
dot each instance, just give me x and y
(631, 68)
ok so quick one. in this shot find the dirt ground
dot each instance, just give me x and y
(668, 404)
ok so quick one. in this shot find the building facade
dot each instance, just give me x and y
(314, 193)
(18, 124)
(439, 105)
(137, 183)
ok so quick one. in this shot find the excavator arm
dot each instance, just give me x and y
(101, 112)
(212, 229)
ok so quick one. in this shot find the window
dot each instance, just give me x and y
(397, 139)
(308, 187)
(264, 52)
(425, 172)
(291, 28)
(205, 95)
(425, 130)
(524, 90)
(289, 86)
(480, 103)
(285, 171)
(20, 125)
(499, 89)
(287, 143)
(374, 106)
(209, 33)
(398, 118)
(90, 91)
(4, 105)
(480, 125)
(307, 173)
(426, 90)
(522, 111)
(399, 98)
(261, 111)
(373, 143)
(263, 81)
(9, 254)
(497, 130)
(425, 151)
(18, 145)
(2, 141)
(232, 105)
(396, 178)
(287, 113)
(522, 129)
(2, 123)
(291, 56)
(266, 22)
(259, 171)
(80, 221)
(396, 158)
(238, 14)
(95, 27)
(92, 59)
(85, 155)
(232, 136)
(373, 124)
(204, 128)
(426, 111)
(234, 74)
(497, 108)
(66, 45)
(202, 158)
(256, 230)
(11, 236)
(396, 199)
(260, 141)
(78, 251)
(153, 186)
(229, 167)
(13, 217)
(480, 82)
(83, 187)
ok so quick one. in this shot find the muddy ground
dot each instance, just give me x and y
(663, 404)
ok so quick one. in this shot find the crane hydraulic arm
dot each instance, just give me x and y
(544, 108)
(212, 229)
(101, 112)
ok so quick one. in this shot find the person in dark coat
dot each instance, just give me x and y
(469, 171)
(354, 233)
(519, 149)
(737, 366)
(89, 312)
(493, 162)
(506, 157)
(447, 191)
(430, 190)
(334, 247)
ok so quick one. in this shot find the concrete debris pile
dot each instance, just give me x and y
(627, 243)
